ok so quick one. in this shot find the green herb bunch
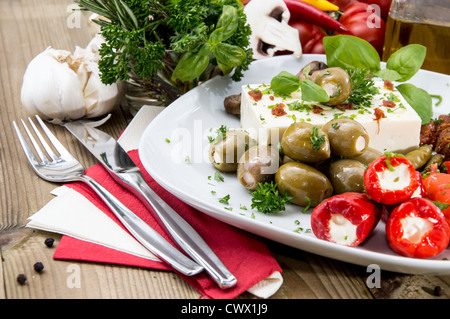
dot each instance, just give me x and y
(200, 36)
(266, 198)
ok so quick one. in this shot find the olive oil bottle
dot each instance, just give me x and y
(425, 22)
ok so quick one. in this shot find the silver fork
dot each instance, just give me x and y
(65, 168)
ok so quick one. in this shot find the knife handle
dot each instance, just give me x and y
(143, 233)
(181, 231)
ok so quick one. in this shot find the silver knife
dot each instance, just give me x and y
(122, 168)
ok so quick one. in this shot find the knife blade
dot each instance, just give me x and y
(125, 172)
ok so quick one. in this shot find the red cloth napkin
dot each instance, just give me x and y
(246, 256)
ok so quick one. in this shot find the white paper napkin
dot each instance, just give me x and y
(71, 214)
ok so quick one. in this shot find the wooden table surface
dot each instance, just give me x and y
(27, 27)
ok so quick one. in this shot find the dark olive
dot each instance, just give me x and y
(257, 165)
(347, 175)
(369, 155)
(419, 157)
(311, 69)
(305, 142)
(225, 151)
(304, 183)
(347, 137)
(336, 82)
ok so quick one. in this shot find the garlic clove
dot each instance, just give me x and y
(50, 88)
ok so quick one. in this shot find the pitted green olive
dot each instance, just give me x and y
(419, 157)
(257, 165)
(224, 152)
(305, 142)
(347, 175)
(369, 155)
(348, 138)
(305, 184)
(336, 82)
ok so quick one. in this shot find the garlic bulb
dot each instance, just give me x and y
(60, 86)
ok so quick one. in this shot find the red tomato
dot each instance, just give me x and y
(437, 186)
(358, 7)
(310, 36)
(366, 25)
(384, 6)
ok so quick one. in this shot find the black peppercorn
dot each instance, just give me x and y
(438, 291)
(21, 279)
(38, 266)
(49, 242)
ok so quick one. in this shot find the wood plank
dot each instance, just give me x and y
(22, 248)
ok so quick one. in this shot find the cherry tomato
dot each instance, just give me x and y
(358, 7)
(437, 186)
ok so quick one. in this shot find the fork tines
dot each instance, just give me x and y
(40, 153)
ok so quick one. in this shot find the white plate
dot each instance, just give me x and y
(182, 167)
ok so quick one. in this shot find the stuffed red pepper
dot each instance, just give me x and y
(391, 179)
(345, 219)
(417, 228)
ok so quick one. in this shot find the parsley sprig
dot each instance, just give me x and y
(188, 39)
(363, 87)
(266, 198)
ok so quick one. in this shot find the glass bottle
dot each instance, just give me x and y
(425, 22)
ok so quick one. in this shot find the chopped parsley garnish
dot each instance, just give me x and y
(218, 177)
(225, 199)
(267, 199)
(317, 140)
(363, 87)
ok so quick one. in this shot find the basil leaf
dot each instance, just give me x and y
(192, 64)
(313, 92)
(387, 74)
(285, 83)
(349, 52)
(226, 25)
(407, 60)
(419, 100)
(228, 56)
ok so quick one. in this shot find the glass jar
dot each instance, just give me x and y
(425, 22)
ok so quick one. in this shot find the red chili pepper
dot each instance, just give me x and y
(390, 180)
(306, 12)
(346, 219)
(417, 228)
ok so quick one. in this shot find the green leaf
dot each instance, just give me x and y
(407, 61)
(226, 25)
(228, 56)
(192, 64)
(313, 92)
(419, 100)
(349, 52)
(285, 83)
(387, 74)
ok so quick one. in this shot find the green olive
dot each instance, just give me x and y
(225, 152)
(419, 157)
(258, 164)
(347, 175)
(437, 159)
(348, 138)
(305, 142)
(369, 155)
(336, 82)
(305, 184)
